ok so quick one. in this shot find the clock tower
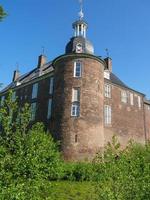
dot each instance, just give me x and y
(79, 43)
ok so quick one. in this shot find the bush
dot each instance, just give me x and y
(38, 156)
(78, 171)
(125, 174)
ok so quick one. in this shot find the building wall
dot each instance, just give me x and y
(127, 120)
(147, 120)
(24, 95)
(81, 137)
(88, 127)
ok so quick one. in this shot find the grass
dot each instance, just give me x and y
(65, 190)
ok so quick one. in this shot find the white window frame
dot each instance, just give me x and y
(51, 85)
(75, 109)
(139, 102)
(124, 96)
(77, 74)
(107, 90)
(131, 98)
(49, 109)
(107, 115)
(33, 110)
(76, 95)
(34, 90)
(107, 75)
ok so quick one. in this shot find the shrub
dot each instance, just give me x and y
(124, 173)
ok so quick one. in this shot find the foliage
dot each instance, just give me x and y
(80, 171)
(125, 174)
(30, 162)
(28, 154)
(65, 190)
(39, 190)
(2, 13)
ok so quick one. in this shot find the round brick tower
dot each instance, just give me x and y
(78, 97)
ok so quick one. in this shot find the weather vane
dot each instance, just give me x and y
(107, 52)
(81, 14)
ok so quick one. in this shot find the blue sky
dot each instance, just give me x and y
(122, 26)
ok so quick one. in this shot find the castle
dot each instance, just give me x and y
(80, 100)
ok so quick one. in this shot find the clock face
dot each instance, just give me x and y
(79, 48)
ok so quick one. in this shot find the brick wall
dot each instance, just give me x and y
(147, 120)
(88, 127)
(127, 120)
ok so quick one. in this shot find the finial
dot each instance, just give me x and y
(107, 52)
(43, 50)
(81, 14)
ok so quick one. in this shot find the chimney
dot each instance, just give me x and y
(16, 75)
(41, 61)
(108, 65)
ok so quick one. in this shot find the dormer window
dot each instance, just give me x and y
(107, 75)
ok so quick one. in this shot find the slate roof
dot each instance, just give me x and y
(25, 78)
(115, 80)
(147, 101)
(47, 68)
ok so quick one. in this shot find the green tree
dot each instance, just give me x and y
(2, 13)
(28, 154)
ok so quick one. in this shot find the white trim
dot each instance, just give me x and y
(107, 114)
(75, 69)
(107, 90)
(75, 110)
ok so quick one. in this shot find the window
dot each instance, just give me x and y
(33, 111)
(2, 100)
(75, 109)
(75, 94)
(51, 85)
(34, 90)
(49, 110)
(107, 74)
(76, 138)
(131, 99)
(139, 101)
(107, 114)
(107, 90)
(77, 69)
(148, 107)
(124, 96)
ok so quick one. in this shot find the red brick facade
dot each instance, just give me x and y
(82, 136)
(127, 120)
